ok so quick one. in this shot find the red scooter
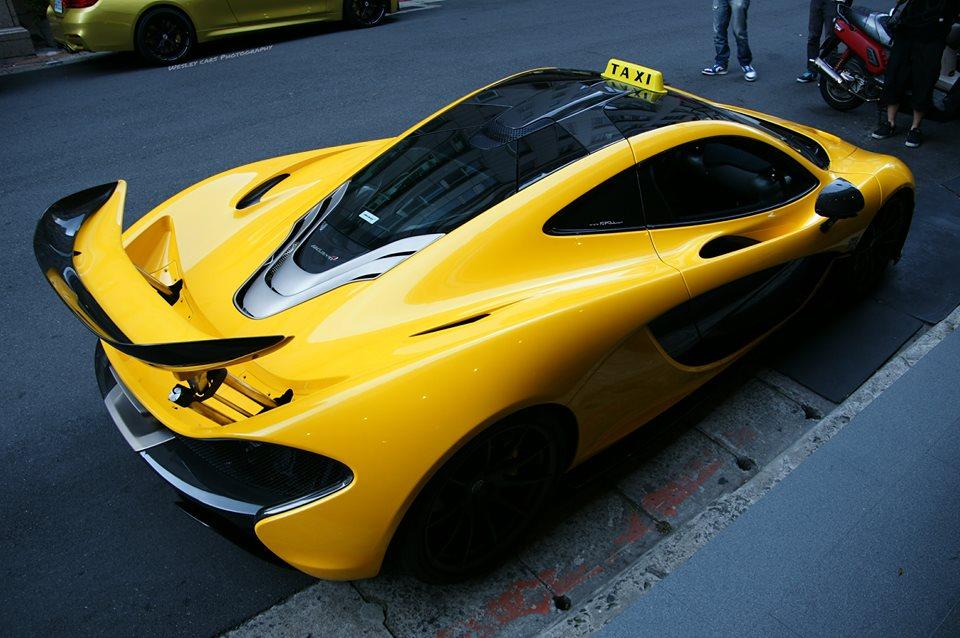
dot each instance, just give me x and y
(853, 60)
(854, 57)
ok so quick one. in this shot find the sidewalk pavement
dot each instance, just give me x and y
(44, 59)
(862, 539)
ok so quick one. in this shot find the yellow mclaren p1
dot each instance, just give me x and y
(403, 343)
(165, 31)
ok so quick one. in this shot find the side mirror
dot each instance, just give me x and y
(839, 200)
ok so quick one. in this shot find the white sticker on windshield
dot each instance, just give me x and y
(369, 217)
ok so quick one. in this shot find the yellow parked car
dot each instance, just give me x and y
(405, 342)
(165, 31)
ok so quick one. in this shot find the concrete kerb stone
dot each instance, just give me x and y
(674, 550)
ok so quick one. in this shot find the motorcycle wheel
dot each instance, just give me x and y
(834, 94)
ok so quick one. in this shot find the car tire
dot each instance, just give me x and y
(165, 36)
(835, 95)
(481, 502)
(880, 245)
(364, 13)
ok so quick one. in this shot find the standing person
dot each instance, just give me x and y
(820, 21)
(920, 34)
(723, 11)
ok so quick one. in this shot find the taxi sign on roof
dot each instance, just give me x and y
(634, 75)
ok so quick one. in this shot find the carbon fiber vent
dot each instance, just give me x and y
(497, 130)
(277, 472)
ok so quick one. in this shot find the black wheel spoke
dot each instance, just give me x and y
(491, 493)
(530, 459)
(453, 534)
(525, 482)
(445, 516)
(505, 503)
(471, 531)
(485, 515)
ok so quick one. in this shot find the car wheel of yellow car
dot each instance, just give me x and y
(881, 243)
(165, 35)
(481, 501)
(364, 13)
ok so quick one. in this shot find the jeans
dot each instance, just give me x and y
(723, 10)
(822, 13)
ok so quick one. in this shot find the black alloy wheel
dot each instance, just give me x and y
(165, 36)
(365, 13)
(481, 502)
(881, 243)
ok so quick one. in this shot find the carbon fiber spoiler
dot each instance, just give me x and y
(68, 231)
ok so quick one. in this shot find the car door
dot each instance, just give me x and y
(734, 213)
(629, 285)
(258, 11)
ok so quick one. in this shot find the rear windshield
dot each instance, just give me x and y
(431, 184)
(424, 184)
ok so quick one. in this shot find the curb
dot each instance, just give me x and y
(669, 554)
(40, 65)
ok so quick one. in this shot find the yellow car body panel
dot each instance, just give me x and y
(564, 321)
(110, 25)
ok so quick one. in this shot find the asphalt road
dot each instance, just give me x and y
(92, 542)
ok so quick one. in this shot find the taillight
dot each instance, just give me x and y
(79, 4)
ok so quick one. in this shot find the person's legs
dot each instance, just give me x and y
(894, 83)
(721, 22)
(739, 9)
(819, 21)
(925, 66)
(815, 27)
(892, 112)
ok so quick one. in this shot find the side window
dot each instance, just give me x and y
(613, 206)
(719, 178)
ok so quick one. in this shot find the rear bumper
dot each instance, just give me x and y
(304, 506)
(97, 28)
(215, 499)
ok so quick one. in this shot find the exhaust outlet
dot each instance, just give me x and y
(828, 70)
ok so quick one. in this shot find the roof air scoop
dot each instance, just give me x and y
(258, 191)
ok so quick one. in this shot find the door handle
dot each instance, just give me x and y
(725, 244)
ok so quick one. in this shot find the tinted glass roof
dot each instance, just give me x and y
(592, 110)
(482, 151)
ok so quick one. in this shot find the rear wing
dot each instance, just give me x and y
(79, 248)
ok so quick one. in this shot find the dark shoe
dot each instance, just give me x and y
(884, 131)
(806, 77)
(914, 138)
(716, 69)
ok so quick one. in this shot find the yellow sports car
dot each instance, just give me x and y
(165, 31)
(403, 343)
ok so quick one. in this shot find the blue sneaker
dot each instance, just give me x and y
(716, 69)
(749, 73)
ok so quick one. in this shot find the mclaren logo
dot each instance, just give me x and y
(324, 253)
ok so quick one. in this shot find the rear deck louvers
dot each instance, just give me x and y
(260, 190)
